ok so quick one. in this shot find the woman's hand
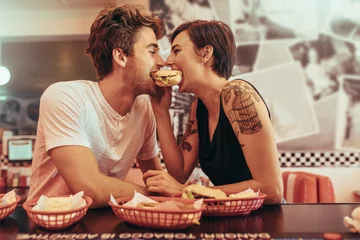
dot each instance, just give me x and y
(162, 182)
(162, 101)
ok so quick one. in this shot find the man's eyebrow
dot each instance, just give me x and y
(152, 45)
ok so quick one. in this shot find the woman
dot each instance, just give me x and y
(229, 129)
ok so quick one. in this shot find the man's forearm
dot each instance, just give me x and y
(100, 188)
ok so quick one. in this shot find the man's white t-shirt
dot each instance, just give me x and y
(76, 113)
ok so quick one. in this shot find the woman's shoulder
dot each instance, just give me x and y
(240, 88)
(239, 85)
(237, 82)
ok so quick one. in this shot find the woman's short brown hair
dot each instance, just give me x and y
(216, 34)
(117, 28)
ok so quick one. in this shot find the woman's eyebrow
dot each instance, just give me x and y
(174, 46)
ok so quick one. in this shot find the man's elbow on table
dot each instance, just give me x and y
(99, 199)
(93, 189)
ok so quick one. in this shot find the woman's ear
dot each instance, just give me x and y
(206, 53)
(119, 57)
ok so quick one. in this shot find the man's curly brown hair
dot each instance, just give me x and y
(117, 28)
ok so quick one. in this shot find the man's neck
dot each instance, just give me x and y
(119, 95)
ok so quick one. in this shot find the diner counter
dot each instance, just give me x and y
(284, 221)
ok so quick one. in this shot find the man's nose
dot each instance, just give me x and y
(159, 62)
(169, 62)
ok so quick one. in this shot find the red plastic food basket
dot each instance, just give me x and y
(232, 206)
(7, 209)
(155, 218)
(56, 220)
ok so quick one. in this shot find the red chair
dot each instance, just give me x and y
(304, 187)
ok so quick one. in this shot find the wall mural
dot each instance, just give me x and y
(302, 56)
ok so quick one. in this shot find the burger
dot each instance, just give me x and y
(167, 78)
(195, 191)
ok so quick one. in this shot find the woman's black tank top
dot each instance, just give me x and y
(222, 159)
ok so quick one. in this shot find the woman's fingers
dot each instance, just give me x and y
(161, 182)
(151, 173)
(157, 180)
(155, 189)
(156, 186)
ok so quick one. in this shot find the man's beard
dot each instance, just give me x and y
(137, 78)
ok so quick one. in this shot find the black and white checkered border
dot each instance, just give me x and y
(296, 159)
(320, 159)
(5, 162)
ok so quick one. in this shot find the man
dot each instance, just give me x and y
(90, 133)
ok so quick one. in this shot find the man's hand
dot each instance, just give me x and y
(163, 183)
